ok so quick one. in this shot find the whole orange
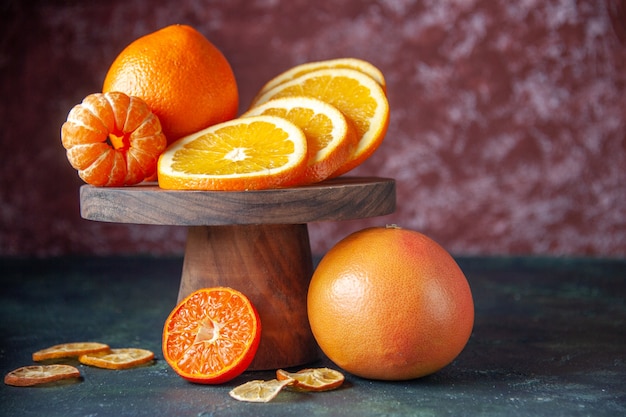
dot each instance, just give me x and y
(186, 81)
(391, 304)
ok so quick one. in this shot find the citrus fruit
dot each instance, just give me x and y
(113, 139)
(312, 379)
(123, 358)
(390, 304)
(184, 78)
(68, 350)
(330, 138)
(212, 335)
(259, 391)
(249, 153)
(361, 100)
(27, 376)
(350, 63)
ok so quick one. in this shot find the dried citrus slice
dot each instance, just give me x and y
(351, 63)
(361, 100)
(68, 350)
(27, 376)
(242, 154)
(117, 358)
(258, 391)
(212, 335)
(113, 139)
(312, 379)
(330, 138)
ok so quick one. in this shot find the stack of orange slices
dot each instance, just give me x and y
(167, 112)
(312, 122)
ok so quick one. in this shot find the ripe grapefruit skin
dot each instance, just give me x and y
(390, 304)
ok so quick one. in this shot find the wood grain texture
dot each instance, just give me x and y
(270, 264)
(342, 198)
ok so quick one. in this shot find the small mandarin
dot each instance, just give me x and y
(113, 139)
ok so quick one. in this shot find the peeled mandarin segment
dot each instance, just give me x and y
(330, 140)
(68, 350)
(82, 127)
(313, 379)
(107, 169)
(117, 358)
(83, 156)
(137, 112)
(259, 391)
(361, 100)
(363, 66)
(212, 335)
(250, 153)
(100, 106)
(145, 147)
(101, 131)
(40, 374)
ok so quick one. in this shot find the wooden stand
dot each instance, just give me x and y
(254, 241)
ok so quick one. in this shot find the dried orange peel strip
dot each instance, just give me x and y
(312, 379)
(117, 358)
(69, 350)
(27, 376)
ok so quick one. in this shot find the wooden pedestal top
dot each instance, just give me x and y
(343, 198)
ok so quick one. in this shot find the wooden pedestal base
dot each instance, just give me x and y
(256, 242)
(272, 265)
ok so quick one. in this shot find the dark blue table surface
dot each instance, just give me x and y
(549, 340)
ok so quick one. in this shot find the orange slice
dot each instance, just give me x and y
(27, 376)
(361, 100)
(312, 379)
(212, 335)
(117, 358)
(258, 391)
(250, 153)
(113, 139)
(365, 67)
(68, 350)
(330, 138)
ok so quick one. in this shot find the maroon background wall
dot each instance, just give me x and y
(507, 133)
